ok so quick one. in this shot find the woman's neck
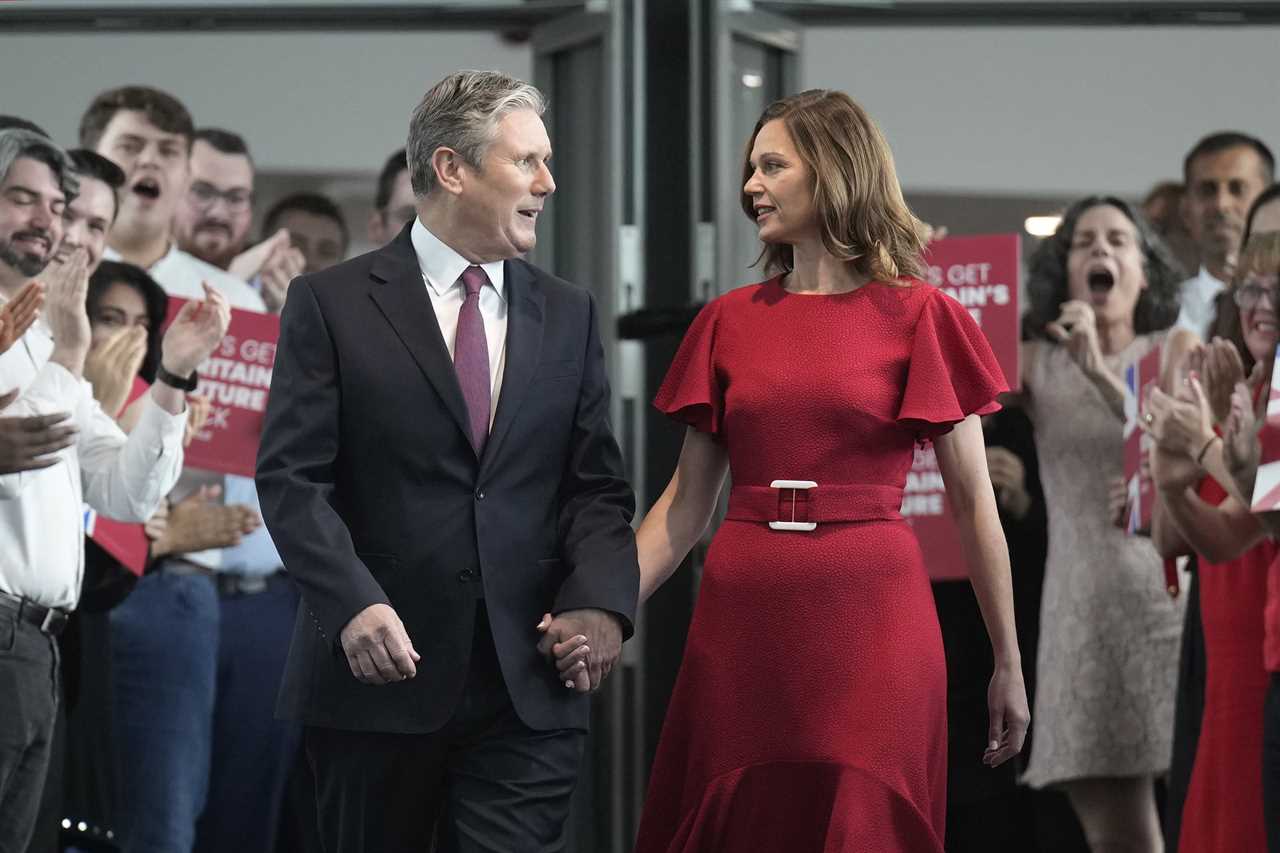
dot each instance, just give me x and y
(1115, 335)
(815, 270)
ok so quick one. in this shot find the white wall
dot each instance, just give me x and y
(1050, 110)
(310, 102)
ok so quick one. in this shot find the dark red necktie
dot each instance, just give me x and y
(471, 357)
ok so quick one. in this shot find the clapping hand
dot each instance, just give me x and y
(29, 443)
(17, 315)
(1181, 424)
(198, 522)
(583, 644)
(1222, 370)
(111, 368)
(276, 262)
(66, 293)
(195, 332)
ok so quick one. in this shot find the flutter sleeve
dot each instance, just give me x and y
(692, 392)
(952, 372)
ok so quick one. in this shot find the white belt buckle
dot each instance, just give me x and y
(793, 486)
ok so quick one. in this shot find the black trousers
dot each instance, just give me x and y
(1271, 763)
(1187, 714)
(28, 707)
(485, 783)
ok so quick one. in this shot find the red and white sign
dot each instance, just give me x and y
(981, 273)
(1266, 488)
(236, 379)
(1139, 378)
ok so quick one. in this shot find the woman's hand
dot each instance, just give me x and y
(110, 368)
(1173, 471)
(1181, 424)
(1077, 328)
(1241, 448)
(1009, 715)
(1118, 501)
(1222, 370)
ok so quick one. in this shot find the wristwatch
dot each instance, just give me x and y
(187, 383)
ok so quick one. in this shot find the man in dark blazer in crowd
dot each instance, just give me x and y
(438, 470)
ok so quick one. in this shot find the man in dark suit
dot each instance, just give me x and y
(438, 470)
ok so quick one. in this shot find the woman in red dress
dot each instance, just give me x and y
(809, 715)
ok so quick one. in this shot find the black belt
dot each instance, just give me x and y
(50, 620)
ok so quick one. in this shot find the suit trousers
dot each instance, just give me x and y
(484, 783)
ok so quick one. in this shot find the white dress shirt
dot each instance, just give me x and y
(1198, 303)
(442, 269)
(41, 512)
(181, 274)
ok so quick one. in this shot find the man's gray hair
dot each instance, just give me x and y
(462, 112)
(16, 142)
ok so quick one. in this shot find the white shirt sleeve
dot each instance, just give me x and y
(53, 390)
(126, 477)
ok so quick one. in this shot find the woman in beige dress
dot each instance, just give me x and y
(1103, 292)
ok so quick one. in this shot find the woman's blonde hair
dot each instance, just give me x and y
(862, 216)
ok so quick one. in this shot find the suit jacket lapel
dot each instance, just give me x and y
(525, 305)
(401, 295)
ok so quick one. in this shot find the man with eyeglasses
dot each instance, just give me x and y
(213, 219)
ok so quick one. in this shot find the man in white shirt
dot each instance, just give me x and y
(1224, 173)
(194, 720)
(41, 529)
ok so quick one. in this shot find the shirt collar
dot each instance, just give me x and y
(1209, 281)
(442, 267)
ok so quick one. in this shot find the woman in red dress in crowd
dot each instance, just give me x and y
(809, 715)
(1202, 508)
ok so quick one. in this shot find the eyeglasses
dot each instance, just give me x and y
(1250, 293)
(204, 195)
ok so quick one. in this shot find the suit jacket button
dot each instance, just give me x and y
(466, 576)
(479, 494)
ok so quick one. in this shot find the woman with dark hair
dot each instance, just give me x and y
(1103, 289)
(1201, 510)
(127, 309)
(810, 709)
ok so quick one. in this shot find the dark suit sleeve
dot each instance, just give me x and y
(297, 460)
(597, 503)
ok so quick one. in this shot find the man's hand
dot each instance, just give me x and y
(158, 523)
(1009, 479)
(110, 368)
(26, 443)
(276, 262)
(196, 523)
(17, 315)
(195, 332)
(583, 644)
(377, 647)
(66, 293)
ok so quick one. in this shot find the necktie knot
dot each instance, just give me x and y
(473, 279)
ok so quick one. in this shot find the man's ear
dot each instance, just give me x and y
(448, 166)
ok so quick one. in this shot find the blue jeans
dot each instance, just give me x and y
(203, 761)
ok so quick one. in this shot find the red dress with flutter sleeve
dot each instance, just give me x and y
(809, 715)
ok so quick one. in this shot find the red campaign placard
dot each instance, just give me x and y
(981, 273)
(1139, 379)
(126, 542)
(1266, 488)
(236, 379)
